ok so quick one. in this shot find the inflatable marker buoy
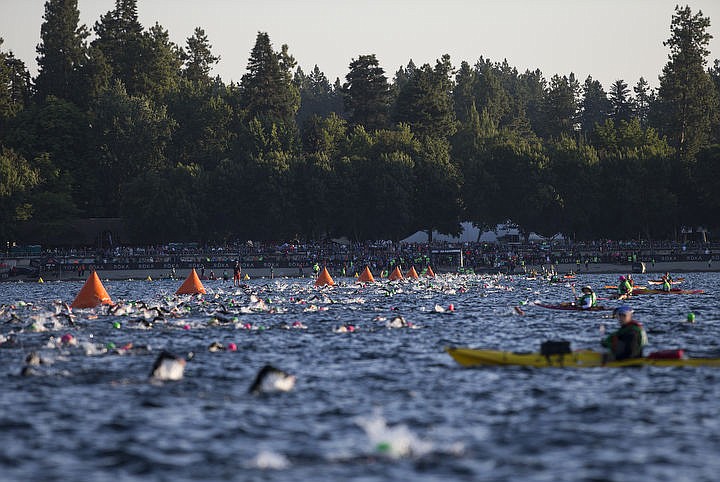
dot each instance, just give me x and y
(366, 276)
(40, 280)
(247, 277)
(324, 279)
(395, 275)
(191, 286)
(92, 294)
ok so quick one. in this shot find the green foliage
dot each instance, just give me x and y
(120, 39)
(425, 101)
(16, 178)
(198, 57)
(367, 93)
(134, 125)
(130, 137)
(165, 204)
(687, 98)
(14, 86)
(62, 53)
(268, 92)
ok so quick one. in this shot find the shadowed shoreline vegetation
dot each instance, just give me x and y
(121, 122)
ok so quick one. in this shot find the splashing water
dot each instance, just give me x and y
(394, 442)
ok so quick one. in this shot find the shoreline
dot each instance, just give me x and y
(265, 273)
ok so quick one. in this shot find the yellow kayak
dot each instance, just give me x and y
(469, 357)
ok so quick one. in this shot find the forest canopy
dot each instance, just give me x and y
(122, 122)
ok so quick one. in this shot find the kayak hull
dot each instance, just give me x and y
(469, 357)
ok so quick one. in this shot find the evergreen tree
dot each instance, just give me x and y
(490, 95)
(687, 99)
(120, 38)
(317, 96)
(14, 86)
(621, 107)
(367, 93)
(425, 101)
(268, 93)
(594, 106)
(464, 92)
(160, 71)
(560, 107)
(644, 97)
(62, 51)
(198, 58)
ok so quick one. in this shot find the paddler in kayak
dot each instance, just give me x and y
(624, 288)
(588, 298)
(629, 340)
(666, 281)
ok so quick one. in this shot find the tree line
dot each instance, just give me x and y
(122, 122)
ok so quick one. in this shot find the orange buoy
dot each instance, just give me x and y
(324, 279)
(366, 276)
(191, 285)
(430, 273)
(412, 273)
(92, 294)
(395, 275)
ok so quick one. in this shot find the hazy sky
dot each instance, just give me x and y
(608, 39)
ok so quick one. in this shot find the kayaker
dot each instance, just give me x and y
(667, 282)
(624, 288)
(588, 298)
(629, 340)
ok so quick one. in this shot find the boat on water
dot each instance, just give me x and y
(569, 306)
(469, 357)
(659, 281)
(652, 291)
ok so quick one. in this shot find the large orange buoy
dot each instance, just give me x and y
(191, 286)
(324, 279)
(412, 273)
(366, 276)
(430, 273)
(92, 294)
(395, 275)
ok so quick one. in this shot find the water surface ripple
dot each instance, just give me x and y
(375, 404)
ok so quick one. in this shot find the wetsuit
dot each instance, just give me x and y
(627, 342)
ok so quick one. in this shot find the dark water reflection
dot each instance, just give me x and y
(97, 418)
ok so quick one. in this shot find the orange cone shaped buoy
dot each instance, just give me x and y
(92, 294)
(367, 276)
(430, 273)
(324, 279)
(395, 275)
(191, 285)
(412, 273)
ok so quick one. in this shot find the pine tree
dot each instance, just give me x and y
(14, 86)
(367, 93)
(198, 57)
(268, 92)
(62, 52)
(621, 107)
(594, 106)
(120, 38)
(425, 101)
(687, 98)
(642, 101)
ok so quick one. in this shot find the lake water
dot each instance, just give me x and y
(374, 404)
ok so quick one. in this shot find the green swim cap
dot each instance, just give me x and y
(691, 317)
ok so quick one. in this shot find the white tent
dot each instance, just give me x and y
(469, 234)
